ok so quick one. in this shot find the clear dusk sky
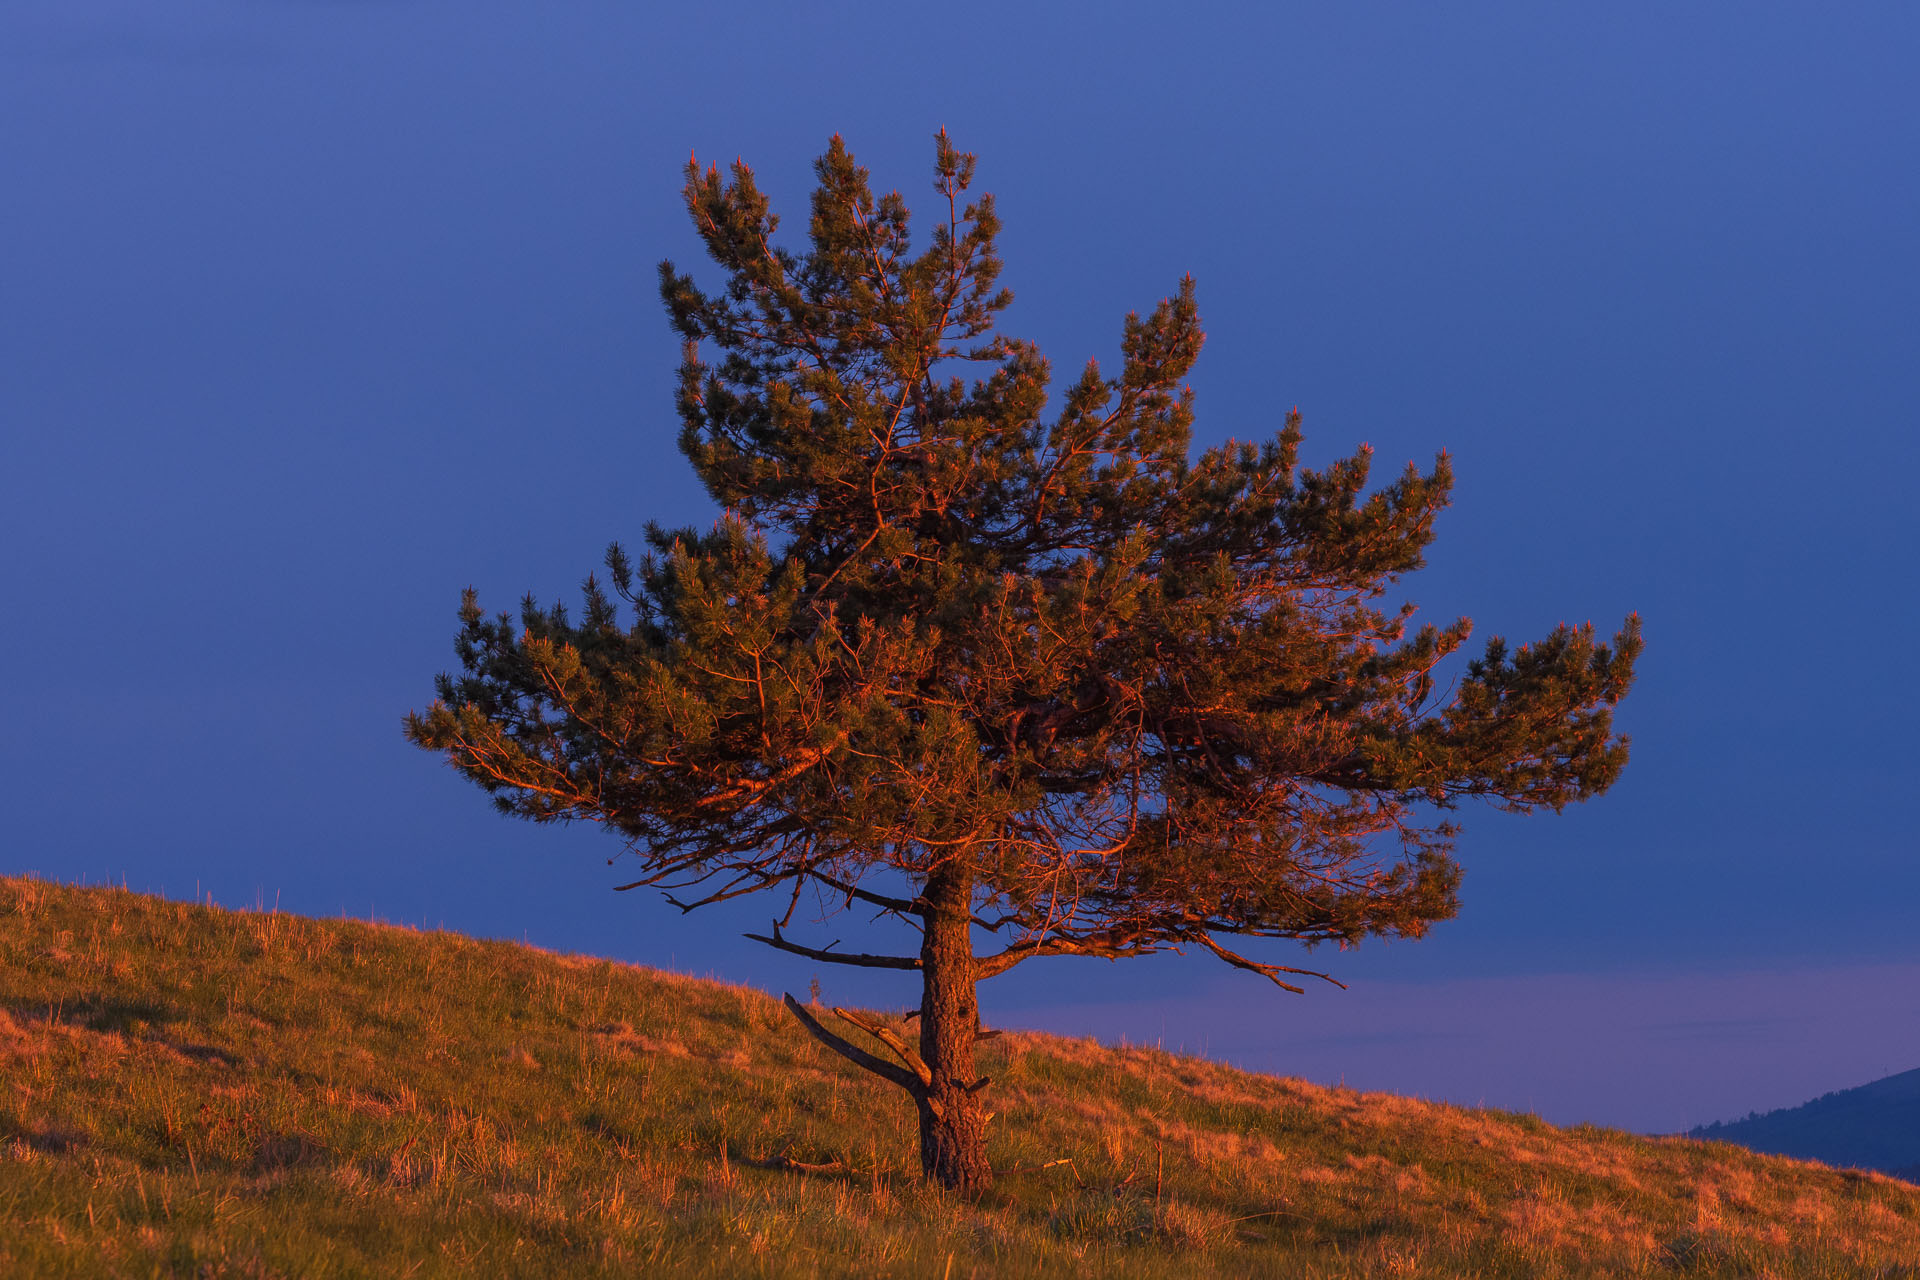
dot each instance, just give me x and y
(313, 313)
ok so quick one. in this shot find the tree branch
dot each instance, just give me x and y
(852, 1052)
(1001, 961)
(885, 1036)
(1271, 972)
(833, 957)
(904, 906)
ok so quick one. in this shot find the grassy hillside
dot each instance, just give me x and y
(191, 1091)
(1874, 1126)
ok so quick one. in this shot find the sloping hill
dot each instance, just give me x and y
(1875, 1126)
(198, 1092)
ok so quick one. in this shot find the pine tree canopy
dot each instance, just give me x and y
(956, 628)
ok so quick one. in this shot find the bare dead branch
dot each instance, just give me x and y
(904, 906)
(825, 956)
(800, 1166)
(886, 1036)
(852, 1052)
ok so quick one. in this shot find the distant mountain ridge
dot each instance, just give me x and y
(1874, 1126)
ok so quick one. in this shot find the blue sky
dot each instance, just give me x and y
(313, 313)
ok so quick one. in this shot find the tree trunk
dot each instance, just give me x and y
(953, 1127)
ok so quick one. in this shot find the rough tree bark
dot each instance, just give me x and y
(953, 1124)
(939, 1077)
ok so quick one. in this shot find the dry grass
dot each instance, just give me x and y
(200, 1092)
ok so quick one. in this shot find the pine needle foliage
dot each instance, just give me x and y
(1038, 675)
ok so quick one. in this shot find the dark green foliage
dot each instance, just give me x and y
(1142, 698)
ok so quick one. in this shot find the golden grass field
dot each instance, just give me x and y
(191, 1091)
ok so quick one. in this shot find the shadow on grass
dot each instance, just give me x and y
(93, 1014)
(136, 1019)
(48, 1137)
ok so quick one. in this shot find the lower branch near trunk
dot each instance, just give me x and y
(939, 1075)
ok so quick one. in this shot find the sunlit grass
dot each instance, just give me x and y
(193, 1091)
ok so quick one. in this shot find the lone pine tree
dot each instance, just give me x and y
(1042, 684)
